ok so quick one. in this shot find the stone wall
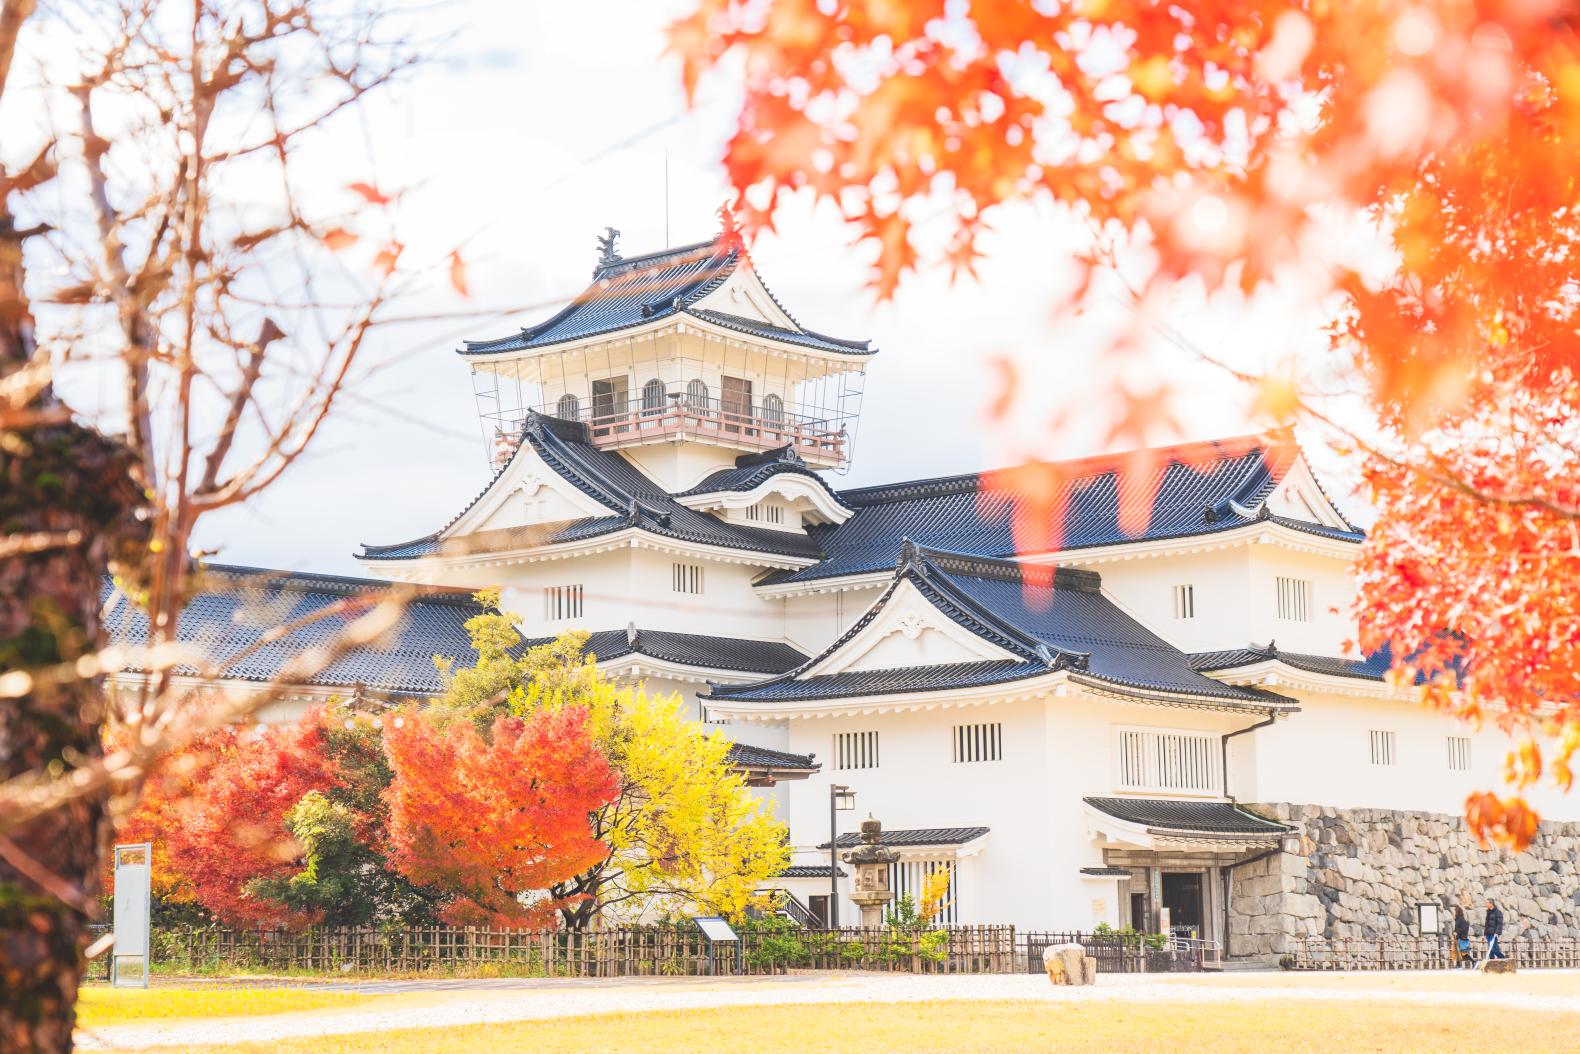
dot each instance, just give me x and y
(1361, 873)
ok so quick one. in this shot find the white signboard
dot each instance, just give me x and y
(716, 929)
(129, 958)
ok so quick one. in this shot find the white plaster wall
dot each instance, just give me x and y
(727, 606)
(1145, 589)
(1236, 598)
(812, 623)
(1332, 622)
(605, 578)
(1056, 752)
(1322, 756)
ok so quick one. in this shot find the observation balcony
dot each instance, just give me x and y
(820, 440)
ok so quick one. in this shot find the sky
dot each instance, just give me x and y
(532, 127)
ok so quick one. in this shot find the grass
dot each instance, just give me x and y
(963, 1027)
(101, 1005)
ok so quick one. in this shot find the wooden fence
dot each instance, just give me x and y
(624, 952)
(1421, 953)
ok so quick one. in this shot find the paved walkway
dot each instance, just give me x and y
(429, 1004)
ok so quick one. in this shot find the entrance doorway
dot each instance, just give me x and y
(1182, 899)
(1138, 912)
(818, 907)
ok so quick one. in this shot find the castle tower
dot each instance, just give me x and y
(683, 360)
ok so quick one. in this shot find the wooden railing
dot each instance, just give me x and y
(740, 422)
(1421, 953)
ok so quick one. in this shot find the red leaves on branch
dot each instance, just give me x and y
(490, 818)
(369, 193)
(339, 238)
(1222, 136)
(215, 812)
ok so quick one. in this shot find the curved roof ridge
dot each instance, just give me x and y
(668, 294)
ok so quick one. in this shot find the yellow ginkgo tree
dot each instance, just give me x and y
(684, 834)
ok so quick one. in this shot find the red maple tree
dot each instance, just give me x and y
(215, 812)
(486, 819)
(1213, 140)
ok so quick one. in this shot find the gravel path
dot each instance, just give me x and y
(430, 1008)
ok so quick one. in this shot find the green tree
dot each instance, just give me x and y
(346, 879)
(684, 833)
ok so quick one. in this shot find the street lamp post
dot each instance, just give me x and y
(840, 799)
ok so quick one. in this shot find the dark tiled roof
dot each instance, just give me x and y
(605, 476)
(1196, 817)
(752, 470)
(1372, 668)
(1189, 490)
(629, 292)
(920, 836)
(744, 755)
(240, 604)
(1063, 624)
(693, 649)
(1105, 872)
(807, 871)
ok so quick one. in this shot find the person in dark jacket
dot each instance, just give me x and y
(1461, 937)
(1492, 929)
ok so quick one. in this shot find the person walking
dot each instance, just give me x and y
(1461, 938)
(1492, 929)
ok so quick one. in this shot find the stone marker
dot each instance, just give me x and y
(1069, 964)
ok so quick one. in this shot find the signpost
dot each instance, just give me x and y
(129, 955)
(718, 931)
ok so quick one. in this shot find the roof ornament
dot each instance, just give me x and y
(631, 634)
(633, 515)
(606, 247)
(910, 558)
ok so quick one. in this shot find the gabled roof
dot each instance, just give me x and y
(1186, 817)
(239, 605)
(752, 470)
(633, 501)
(1045, 626)
(915, 837)
(641, 289)
(692, 649)
(1184, 490)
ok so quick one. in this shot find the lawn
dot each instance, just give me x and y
(101, 1005)
(961, 1027)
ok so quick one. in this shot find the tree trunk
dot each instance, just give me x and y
(75, 486)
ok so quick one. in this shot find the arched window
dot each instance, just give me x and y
(773, 410)
(653, 396)
(697, 395)
(570, 409)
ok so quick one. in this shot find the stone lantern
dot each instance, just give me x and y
(871, 863)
